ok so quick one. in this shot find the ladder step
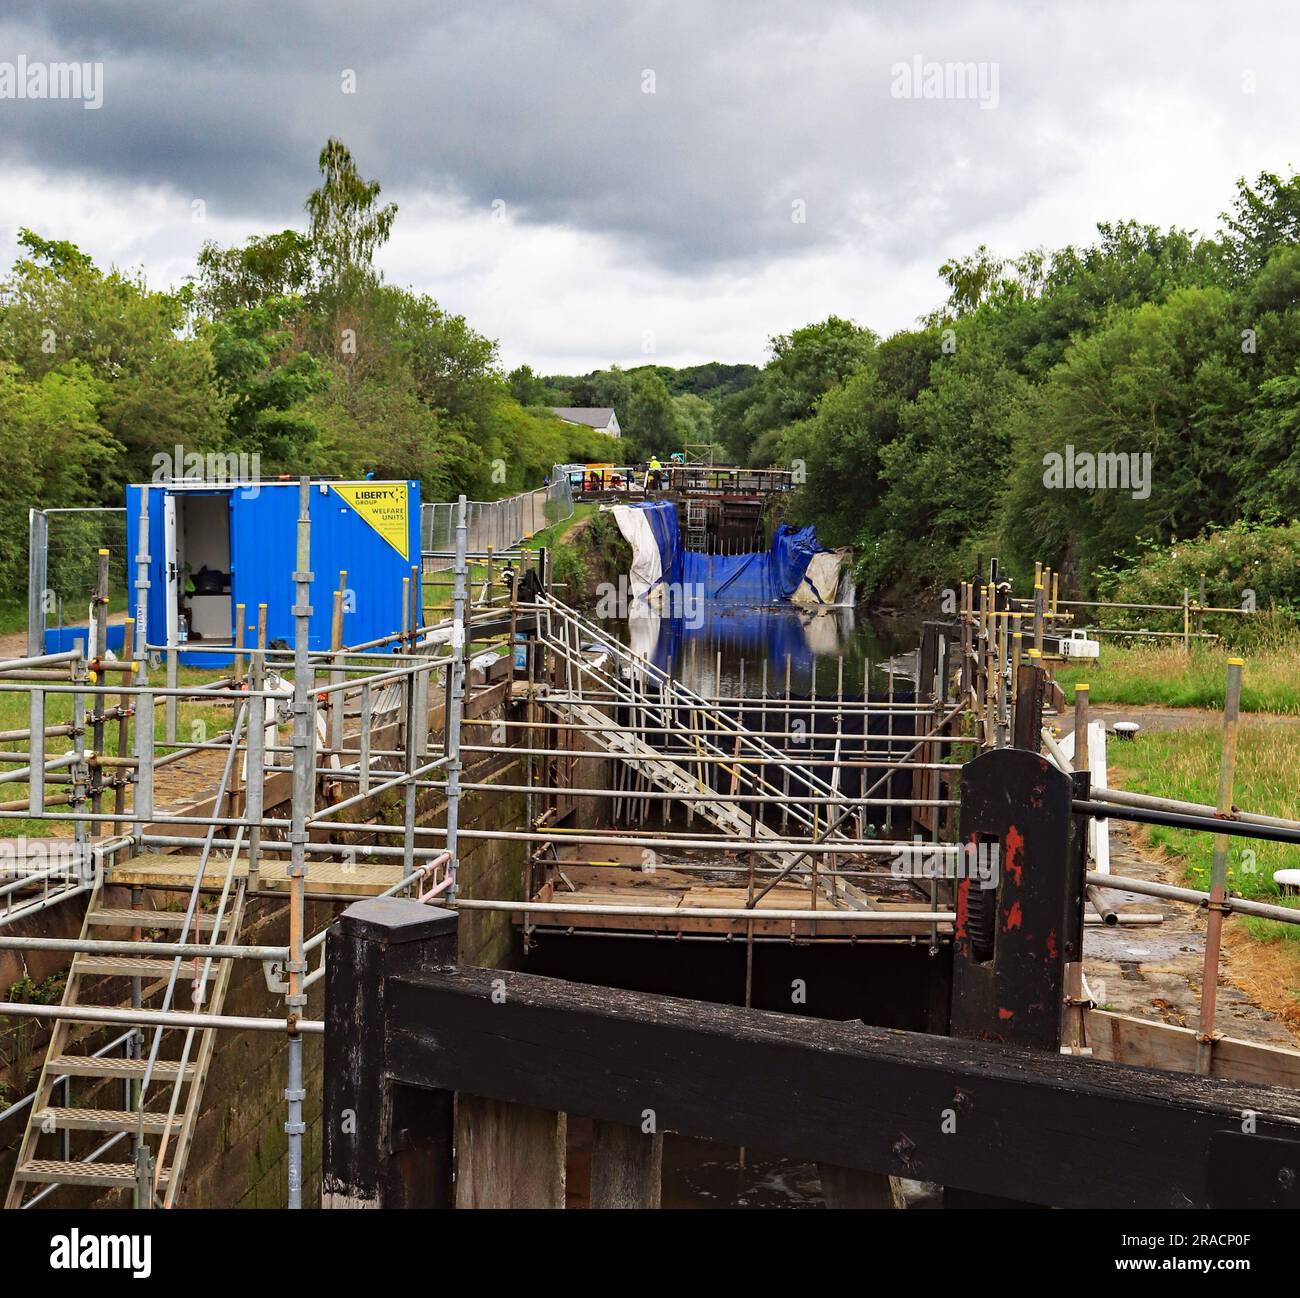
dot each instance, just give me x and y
(85, 1066)
(126, 917)
(102, 1120)
(57, 1172)
(129, 966)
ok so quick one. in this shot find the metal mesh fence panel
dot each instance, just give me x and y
(501, 524)
(64, 564)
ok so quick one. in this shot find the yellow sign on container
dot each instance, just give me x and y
(384, 506)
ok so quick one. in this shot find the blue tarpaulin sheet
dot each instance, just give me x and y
(662, 517)
(60, 639)
(763, 577)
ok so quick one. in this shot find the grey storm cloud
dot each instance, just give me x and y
(541, 106)
(755, 107)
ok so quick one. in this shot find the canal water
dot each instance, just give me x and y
(822, 651)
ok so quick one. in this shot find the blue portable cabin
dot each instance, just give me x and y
(237, 544)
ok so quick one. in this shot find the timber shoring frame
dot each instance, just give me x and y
(1026, 1124)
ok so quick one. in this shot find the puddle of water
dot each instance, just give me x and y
(700, 1174)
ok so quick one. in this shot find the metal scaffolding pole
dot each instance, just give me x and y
(38, 540)
(456, 693)
(303, 805)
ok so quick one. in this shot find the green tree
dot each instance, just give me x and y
(694, 417)
(1264, 217)
(651, 426)
(837, 453)
(267, 377)
(57, 306)
(945, 470)
(730, 426)
(1268, 477)
(265, 267)
(526, 387)
(55, 452)
(1165, 380)
(347, 225)
(453, 367)
(171, 399)
(806, 364)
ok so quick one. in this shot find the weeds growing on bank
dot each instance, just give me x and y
(568, 566)
(1171, 676)
(1184, 764)
(596, 555)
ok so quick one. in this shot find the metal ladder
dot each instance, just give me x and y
(664, 770)
(162, 1087)
(673, 697)
(697, 525)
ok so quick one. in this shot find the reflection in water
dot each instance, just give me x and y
(710, 652)
(701, 1174)
(704, 1174)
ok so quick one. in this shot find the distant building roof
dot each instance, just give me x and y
(592, 416)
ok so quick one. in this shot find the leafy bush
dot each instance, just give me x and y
(569, 570)
(1242, 563)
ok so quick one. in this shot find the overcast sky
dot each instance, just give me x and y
(623, 181)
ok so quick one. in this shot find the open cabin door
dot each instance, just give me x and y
(171, 573)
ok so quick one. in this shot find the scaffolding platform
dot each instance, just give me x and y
(326, 880)
(589, 887)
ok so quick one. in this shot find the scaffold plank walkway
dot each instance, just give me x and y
(326, 879)
(588, 887)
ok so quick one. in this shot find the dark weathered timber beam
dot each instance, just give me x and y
(1001, 1120)
(383, 1146)
(486, 627)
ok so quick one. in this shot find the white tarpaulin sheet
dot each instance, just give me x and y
(647, 563)
(821, 581)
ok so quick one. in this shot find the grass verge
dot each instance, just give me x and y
(1185, 764)
(1173, 677)
(212, 717)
